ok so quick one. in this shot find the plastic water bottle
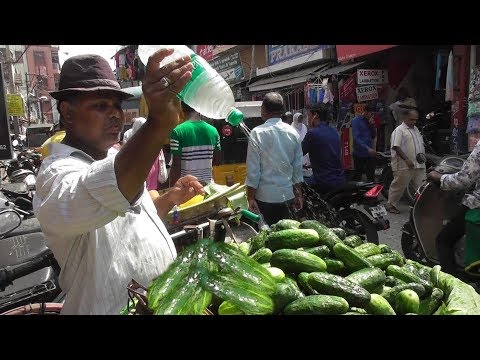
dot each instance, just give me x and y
(206, 92)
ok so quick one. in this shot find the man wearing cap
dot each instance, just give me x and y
(100, 222)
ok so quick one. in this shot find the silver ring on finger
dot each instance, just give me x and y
(165, 82)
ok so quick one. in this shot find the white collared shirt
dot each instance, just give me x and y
(411, 142)
(100, 241)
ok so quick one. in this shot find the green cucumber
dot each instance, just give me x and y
(302, 280)
(296, 261)
(262, 255)
(378, 305)
(277, 274)
(357, 310)
(167, 281)
(227, 308)
(406, 275)
(246, 297)
(407, 301)
(258, 241)
(353, 241)
(353, 260)
(233, 261)
(424, 274)
(321, 251)
(368, 249)
(393, 281)
(369, 278)
(326, 236)
(334, 266)
(317, 305)
(286, 292)
(292, 239)
(339, 232)
(391, 293)
(182, 300)
(244, 248)
(384, 249)
(330, 284)
(383, 261)
(429, 305)
(285, 224)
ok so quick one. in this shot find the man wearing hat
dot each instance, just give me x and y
(100, 222)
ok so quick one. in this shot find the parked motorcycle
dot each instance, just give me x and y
(28, 270)
(432, 209)
(354, 206)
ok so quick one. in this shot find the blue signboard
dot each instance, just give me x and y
(280, 53)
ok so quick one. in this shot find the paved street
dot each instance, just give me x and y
(392, 236)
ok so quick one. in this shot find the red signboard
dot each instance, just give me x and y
(347, 52)
(347, 90)
(206, 51)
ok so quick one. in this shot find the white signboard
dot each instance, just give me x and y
(367, 93)
(372, 76)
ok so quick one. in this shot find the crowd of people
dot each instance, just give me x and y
(97, 196)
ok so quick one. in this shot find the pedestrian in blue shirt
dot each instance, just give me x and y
(363, 149)
(322, 143)
(274, 165)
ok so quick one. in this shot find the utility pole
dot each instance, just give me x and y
(11, 85)
(28, 97)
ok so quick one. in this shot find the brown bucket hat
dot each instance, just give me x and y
(86, 73)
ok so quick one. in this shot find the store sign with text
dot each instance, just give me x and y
(367, 93)
(15, 105)
(229, 67)
(347, 52)
(372, 77)
(280, 53)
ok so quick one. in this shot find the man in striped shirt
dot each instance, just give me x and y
(406, 143)
(97, 216)
(195, 146)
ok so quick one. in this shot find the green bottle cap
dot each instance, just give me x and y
(234, 117)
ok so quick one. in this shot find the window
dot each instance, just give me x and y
(19, 57)
(39, 57)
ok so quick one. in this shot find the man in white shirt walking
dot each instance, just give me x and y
(99, 221)
(407, 143)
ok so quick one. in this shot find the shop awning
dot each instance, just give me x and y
(284, 80)
(339, 69)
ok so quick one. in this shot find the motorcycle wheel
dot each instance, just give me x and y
(411, 248)
(356, 222)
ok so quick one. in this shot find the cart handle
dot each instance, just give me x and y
(250, 215)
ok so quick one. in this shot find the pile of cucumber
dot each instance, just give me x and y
(295, 268)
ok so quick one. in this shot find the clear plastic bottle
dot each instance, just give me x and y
(207, 92)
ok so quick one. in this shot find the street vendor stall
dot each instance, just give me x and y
(298, 268)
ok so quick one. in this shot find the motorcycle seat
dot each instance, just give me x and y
(19, 249)
(350, 185)
(15, 188)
